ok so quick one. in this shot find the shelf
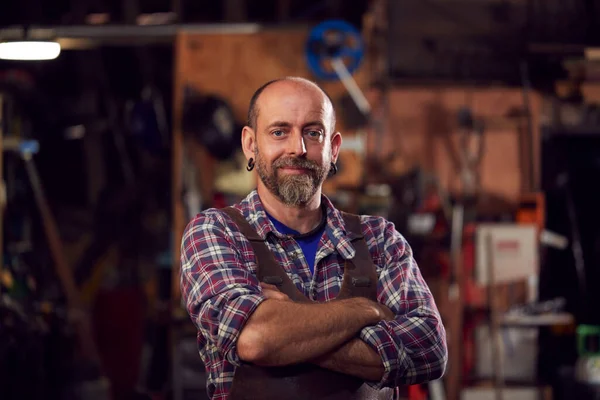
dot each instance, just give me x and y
(485, 381)
(519, 320)
(537, 320)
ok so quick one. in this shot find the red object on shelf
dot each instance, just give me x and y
(416, 392)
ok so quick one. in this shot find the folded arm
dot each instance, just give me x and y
(412, 346)
(353, 357)
(218, 289)
(282, 332)
(408, 348)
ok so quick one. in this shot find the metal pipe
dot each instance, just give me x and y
(357, 95)
(125, 33)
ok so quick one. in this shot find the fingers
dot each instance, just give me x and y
(272, 292)
(388, 314)
(275, 295)
(268, 286)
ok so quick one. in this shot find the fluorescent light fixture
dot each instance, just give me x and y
(29, 50)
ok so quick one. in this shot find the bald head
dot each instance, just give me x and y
(297, 82)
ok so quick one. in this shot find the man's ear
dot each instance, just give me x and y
(336, 145)
(248, 142)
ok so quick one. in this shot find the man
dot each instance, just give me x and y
(320, 326)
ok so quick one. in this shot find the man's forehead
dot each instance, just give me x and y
(274, 117)
(292, 92)
(288, 99)
(305, 120)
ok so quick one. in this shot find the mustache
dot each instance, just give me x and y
(295, 163)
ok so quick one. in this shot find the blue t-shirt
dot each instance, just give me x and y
(309, 243)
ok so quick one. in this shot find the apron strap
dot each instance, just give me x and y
(268, 270)
(360, 273)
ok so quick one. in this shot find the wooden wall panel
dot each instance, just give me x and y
(420, 118)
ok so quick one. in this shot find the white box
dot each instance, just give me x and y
(514, 252)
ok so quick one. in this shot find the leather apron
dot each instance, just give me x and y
(307, 381)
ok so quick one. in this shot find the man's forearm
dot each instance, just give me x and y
(284, 332)
(354, 358)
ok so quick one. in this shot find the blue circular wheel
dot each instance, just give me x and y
(333, 39)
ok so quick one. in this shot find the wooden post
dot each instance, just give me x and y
(495, 333)
(177, 180)
(455, 306)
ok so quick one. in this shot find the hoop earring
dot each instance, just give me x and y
(250, 165)
(333, 169)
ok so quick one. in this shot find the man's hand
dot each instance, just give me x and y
(386, 313)
(355, 357)
(272, 292)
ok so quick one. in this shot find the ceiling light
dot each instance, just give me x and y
(29, 50)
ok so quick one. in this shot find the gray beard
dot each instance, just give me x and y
(296, 190)
(292, 190)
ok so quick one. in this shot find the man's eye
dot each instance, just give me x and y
(278, 133)
(314, 134)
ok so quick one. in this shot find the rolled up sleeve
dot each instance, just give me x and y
(218, 289)
(412, 347)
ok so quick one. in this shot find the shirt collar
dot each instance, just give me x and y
(337, 234)
(252, 208)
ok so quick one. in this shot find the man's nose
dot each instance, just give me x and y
(297, 145)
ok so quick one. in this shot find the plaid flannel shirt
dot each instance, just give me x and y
(220, 291)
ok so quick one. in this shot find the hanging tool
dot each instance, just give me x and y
(77, 313)
(471, 149)
(334, 51)
(209, 120)
(530, 181)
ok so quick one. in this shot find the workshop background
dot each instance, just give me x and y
(473, 125)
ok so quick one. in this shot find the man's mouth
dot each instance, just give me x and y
(298, 170)
(297, 166)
